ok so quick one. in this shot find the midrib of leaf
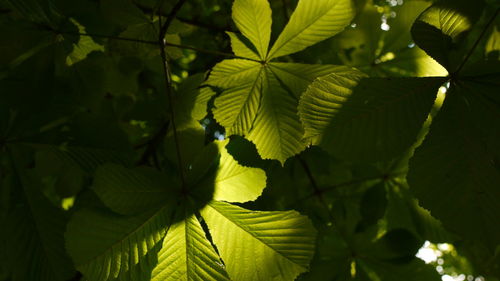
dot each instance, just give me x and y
(255, 237)
(299, 32)
(127, 235)
(287, 71)
(186, 237)
(285, 86)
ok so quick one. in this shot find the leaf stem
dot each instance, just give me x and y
(152, 145)
(168, 86)
(469, 54)
(316, 190)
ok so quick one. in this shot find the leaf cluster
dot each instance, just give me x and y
(248, 139)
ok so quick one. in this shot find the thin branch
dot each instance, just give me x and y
(154, 43)
(316, 190)
(490, 22)
(206, 25)
(109, 37)
(168, 86)
(153, 144)
(348, 183)
(170, 17)
(194, 22)
(206, 51)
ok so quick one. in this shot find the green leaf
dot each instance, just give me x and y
(298, 76)
(276, 131)
(122, 12)
(493, 44)
(104, 245)
(233, 73)
(41, 11)
(20, 41)
(33, 231)
(240, 48)
(455, 172)
(282, 241)
(411, 62)
(236, 107)
(187, 255)
(130, 191)
(312, 22)
(83, 47)
(441, 28)
(236, 183)
(366, 119)
(253, 19)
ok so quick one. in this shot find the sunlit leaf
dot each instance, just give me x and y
(283, 241)
(236, 183)
(366, 119)
(105, 245)
(253, 19)
(310, 23)
(187, 255)
(440, 28)
(240, 48)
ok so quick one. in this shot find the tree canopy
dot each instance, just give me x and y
(249, 140)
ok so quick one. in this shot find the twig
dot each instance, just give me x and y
(206, 25)
(153, 144)
(170, 18)
(334, 187)
(153, 43)
(477, 42)
(109, 37)
(206, 51)
(168, 86)
(317, 192)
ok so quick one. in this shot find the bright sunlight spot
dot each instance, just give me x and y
(427, 253)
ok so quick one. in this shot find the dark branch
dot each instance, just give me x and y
(152, 145)
(171, 16)
(205, 25)
(168, 85)
(490, 22)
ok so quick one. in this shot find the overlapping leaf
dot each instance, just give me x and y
(459, 159)
(440, 29)
(366, 119)
(105, 245)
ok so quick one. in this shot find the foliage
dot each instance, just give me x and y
(334, 139)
